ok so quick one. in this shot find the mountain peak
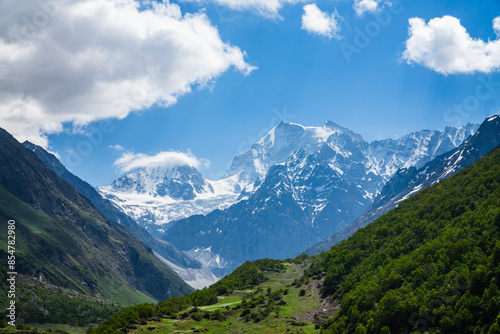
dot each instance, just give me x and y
(284, 124)
(490, 122)
(286, 127)
(333, 125)
(339, 128)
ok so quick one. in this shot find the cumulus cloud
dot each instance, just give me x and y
(320, 23)
(366, 6)
(267, 8)
(130, 161)
(78, 61)
(446, 47)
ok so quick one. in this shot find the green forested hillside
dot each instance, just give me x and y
(430, 265)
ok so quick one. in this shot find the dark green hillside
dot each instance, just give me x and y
(430, 265)
(63, 242)
(48, 252)
(58, 275)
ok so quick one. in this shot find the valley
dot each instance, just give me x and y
(429, 265)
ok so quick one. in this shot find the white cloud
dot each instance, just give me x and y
(317, 22)
(78, 61)
(117, 147)
(366, 6)
(496, 25)
(167, 159)
(267, 8)
(446, 47)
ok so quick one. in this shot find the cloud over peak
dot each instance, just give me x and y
(446, 47)
(130, 161)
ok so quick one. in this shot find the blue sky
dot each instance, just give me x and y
(295, 75)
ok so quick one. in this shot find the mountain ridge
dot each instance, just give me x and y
(409, 181)
(376, 162)
(430, 264)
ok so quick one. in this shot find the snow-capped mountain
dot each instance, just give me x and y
(348, 151)
(329, 177)
(154, 196)
(178, 182)
(163, 249)
(280, 143)
(409, 181)
(416, 149)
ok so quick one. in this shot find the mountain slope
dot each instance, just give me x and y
(431, 264)
(417, 148)
(163, 248)
(65, 241)
(409, 181)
